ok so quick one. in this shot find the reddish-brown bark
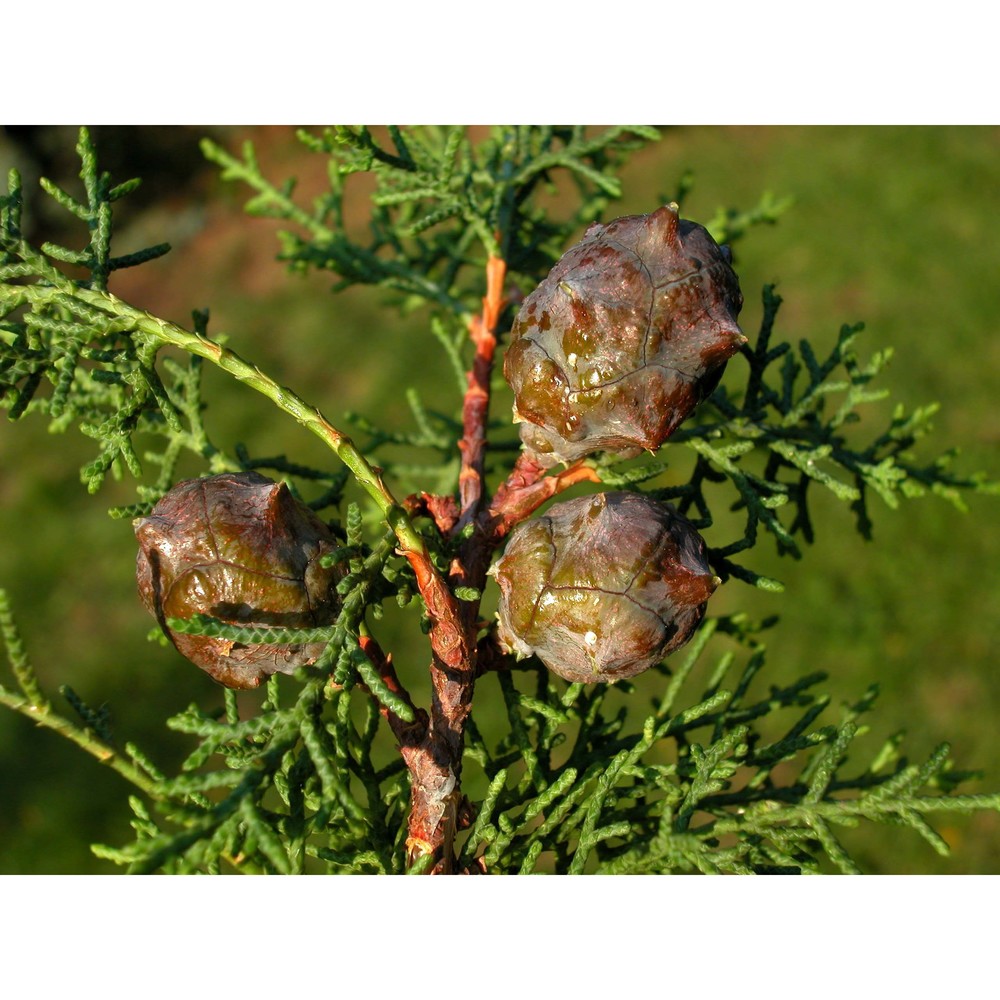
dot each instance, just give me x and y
(433, 753)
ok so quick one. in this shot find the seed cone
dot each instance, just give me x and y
(602, 587)
(625, 336)
(242, 549)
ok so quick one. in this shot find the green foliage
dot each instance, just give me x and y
(699, 789)
(102, 369)
(717, 776)
(795, 418)
(440, 202)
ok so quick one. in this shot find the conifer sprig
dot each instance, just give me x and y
(340, 769)
(665, 797)
(443, 204)
(790, 432)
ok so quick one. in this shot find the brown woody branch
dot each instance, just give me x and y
(527, 488)
(435, 763)
(407, 733)
(475, 407)
(435, 760)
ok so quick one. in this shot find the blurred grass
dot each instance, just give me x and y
(893, 226)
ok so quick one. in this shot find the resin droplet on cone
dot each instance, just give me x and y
(625, 336)
(602, 587)
(240, 548)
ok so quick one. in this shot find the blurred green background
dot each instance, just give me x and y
(892, 226)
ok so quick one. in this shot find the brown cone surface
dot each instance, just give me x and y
(240, 548)
(623, 338)
(602, 587)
